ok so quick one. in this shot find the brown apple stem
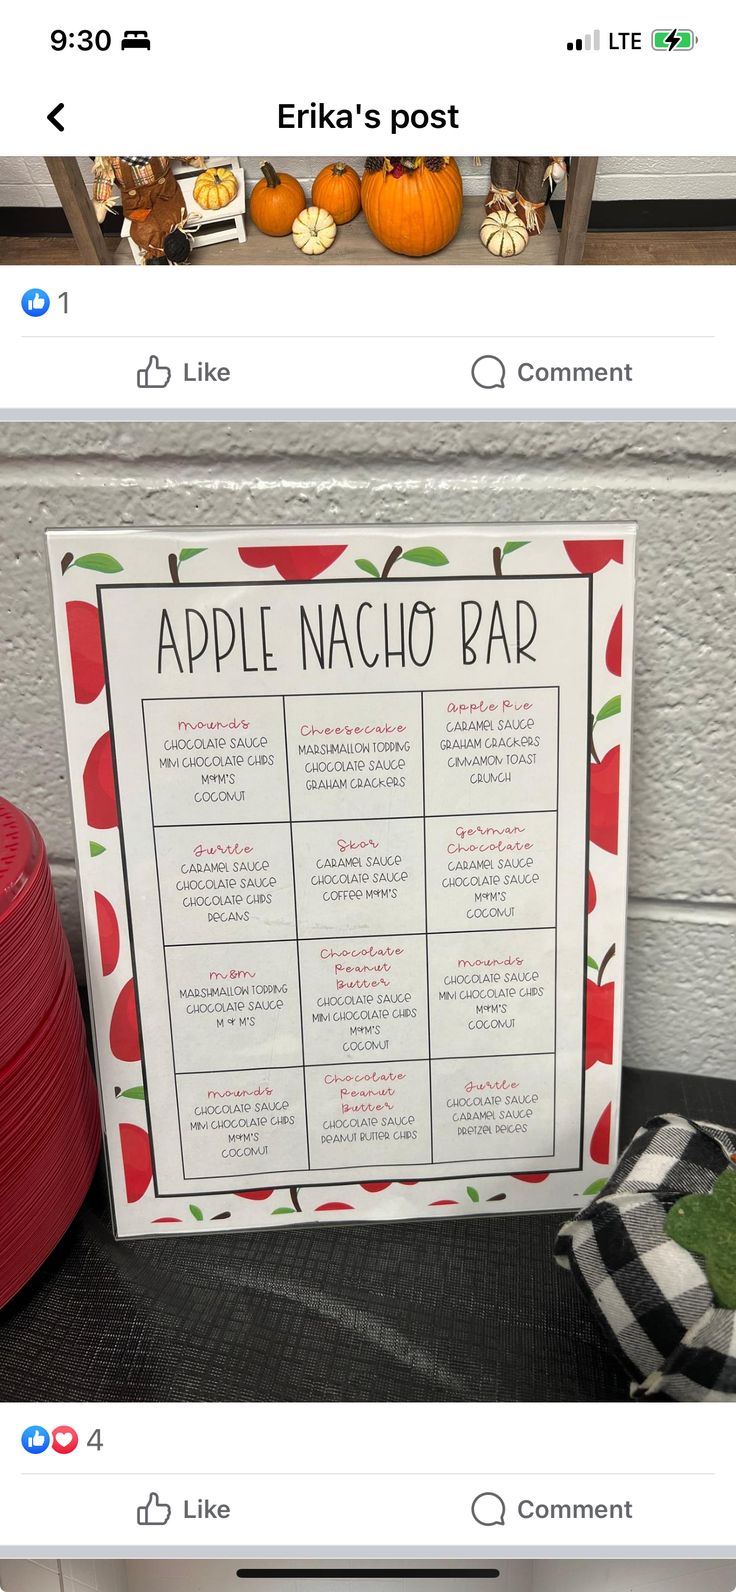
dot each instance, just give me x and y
(294, 1197)
(497, 561)
(395, 554)
(66, 562)
(604, 964)
(593, 752)
(174, 569)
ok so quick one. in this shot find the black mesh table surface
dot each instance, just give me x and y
(456, 1310)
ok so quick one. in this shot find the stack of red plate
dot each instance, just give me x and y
(49, 1119)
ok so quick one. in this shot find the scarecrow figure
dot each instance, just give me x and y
(523, 183)
(152, 202)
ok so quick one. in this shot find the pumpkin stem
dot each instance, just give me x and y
(338, 168)
(271, 175)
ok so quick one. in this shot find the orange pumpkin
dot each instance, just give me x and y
(413, 206)
(276, 201)
(337, 190)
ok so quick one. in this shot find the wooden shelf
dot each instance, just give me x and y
(356, 245)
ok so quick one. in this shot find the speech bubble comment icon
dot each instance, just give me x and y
(489, 371)
(489, 1509)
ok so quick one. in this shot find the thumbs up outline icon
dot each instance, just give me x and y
(154, 374)
(154, 1512)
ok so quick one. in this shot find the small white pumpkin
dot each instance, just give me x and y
(503, 233)
(314, 230)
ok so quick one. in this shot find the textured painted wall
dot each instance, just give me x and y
(677, 481)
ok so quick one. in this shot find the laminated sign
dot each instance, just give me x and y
(351, 816)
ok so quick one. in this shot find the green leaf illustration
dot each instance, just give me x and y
(95, 849)
(591, 963)
(595, 1188)
(425, 555)
(368, 568)
(103, 563)
(138, 1093)
(190, 552)
(511, 547)
(609, 709)
(196, 1213)
(283, 1210)
(473, 1195)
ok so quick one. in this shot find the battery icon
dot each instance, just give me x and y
(673, 39)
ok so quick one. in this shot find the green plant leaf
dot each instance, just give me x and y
(95, 849)
(425, 555)
(283, 1210)
(190, 552)
(609, 709)
(473, 1195)
(591, 963)
(511, 547)
(595, 1188)
(368, 568)
(196, 1213)
(103, 563)
(138, 1093)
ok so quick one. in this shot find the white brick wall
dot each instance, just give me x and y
(155, 1575)
(613, 1575)
(63, 1575)
(26, 181)
(218, 1575)
(678, 481)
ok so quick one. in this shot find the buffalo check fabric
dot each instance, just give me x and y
(650, 1293)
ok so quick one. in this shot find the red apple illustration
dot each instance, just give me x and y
(375, 1188)
(108, 933)
(592, 895)
(600, 1144)
(136, 1152)
(599, 999)
(604, 781)
(334, 1205)
(254, 1194)
(292, 563)
(613, 645)
(125, 1041)
(85, 650)
(530, 1177)
(99, 786)
(589, 557)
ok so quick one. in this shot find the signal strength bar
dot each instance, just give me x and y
(589, 41)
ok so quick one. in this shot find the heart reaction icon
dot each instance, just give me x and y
(64, 1439)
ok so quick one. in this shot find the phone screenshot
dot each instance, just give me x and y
(367, 871)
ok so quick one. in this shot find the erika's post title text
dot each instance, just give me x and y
(318, 116)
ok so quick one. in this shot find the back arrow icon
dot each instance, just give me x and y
(53, 115)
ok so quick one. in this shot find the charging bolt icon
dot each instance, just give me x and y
(670, 39)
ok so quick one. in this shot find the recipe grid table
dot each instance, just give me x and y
(355, 918)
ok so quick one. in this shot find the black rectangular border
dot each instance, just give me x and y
(368, 581)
